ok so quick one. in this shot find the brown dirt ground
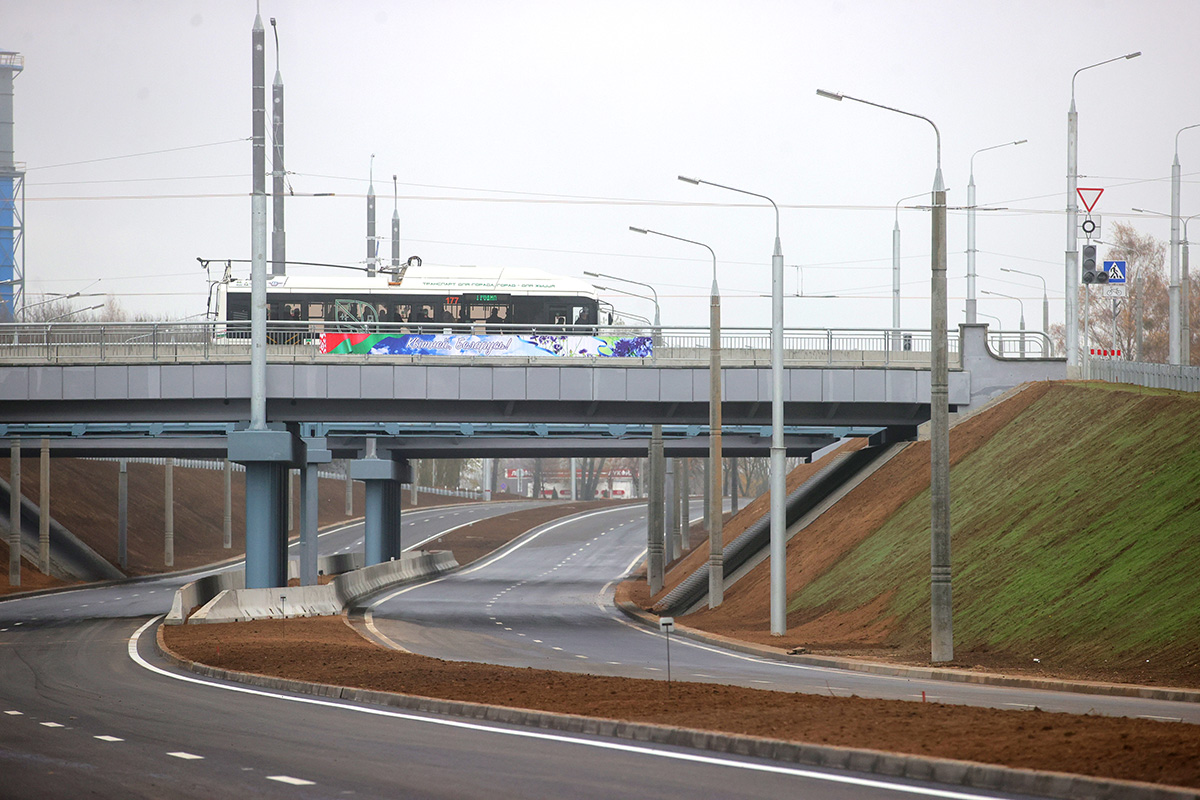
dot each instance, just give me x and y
(862, 633)
(326, 650)
(83, 500)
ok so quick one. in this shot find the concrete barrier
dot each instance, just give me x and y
(221, 602)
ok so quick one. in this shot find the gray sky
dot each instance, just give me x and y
(534, 133)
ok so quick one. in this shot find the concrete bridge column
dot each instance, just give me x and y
(654, 518)
(14, 514)
(685, 491)
(169, 513)
(44, 512)
(227, 533)
(123, 515)
(315, 454)
(267, 455)
(671, 511)
(383, 478)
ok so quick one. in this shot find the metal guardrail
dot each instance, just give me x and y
(298, 342)
(1153, 376)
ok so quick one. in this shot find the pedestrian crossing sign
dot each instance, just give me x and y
(1115, 270)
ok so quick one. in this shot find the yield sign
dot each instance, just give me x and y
(1089, 194)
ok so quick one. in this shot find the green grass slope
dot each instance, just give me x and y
(1075, 535)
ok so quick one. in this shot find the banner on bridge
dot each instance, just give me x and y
(486, 346)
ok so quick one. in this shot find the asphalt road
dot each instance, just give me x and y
(88, 710)
(546, 601)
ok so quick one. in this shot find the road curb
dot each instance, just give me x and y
(637, 613)
(969, 774)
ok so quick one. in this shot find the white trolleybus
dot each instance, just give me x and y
(433, 298)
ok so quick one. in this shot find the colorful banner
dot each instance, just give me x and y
(489, 345)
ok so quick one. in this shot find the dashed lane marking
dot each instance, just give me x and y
(185, 756)
(51, 724)
(106, 738)
(288, 779)
(15, 713)
(535, 735)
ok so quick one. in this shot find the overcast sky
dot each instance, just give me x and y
(536, 133)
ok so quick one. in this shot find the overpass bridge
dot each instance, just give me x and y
(873, 383)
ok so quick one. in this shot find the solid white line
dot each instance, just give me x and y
(1160, 719)
(521, 733)
(520, 543)
(290, 780)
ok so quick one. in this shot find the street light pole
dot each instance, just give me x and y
(1174, 307)
(1071, 322)
(941, 617)
(971, 229)
(1185, 332)
(716, 545)
(1045, 297)
(778, 453)
(896, 271)
(1022, 303)
(655, 521)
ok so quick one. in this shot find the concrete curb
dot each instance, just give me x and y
(635, 612)
(967, 774)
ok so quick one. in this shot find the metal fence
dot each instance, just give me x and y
(1154, 376)
(299, 342)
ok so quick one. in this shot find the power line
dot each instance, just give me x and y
(137, 155)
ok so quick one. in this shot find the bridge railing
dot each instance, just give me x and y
(301, 342)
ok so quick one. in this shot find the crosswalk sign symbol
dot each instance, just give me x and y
(1115, 270)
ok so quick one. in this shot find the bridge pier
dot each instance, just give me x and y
(654, 513)
(383, 478)
(267, 456)
(315, 454)
(14, 514)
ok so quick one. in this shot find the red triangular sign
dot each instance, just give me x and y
(1089, 194)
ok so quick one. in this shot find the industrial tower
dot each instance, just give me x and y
(12, 197)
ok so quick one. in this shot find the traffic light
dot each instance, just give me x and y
(1092, 272)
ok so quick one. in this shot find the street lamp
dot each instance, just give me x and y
(1174, 312)
(778, 453)
(896, 270)
(1045, 297)
(716, 553)
(971, 229)
(1185, 330)
(941, 619)
(653, 291)
(1071, 323)
(1022, 302)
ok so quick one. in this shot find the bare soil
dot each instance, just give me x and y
(327, 650)
(83, 499)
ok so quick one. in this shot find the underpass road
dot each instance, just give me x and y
(87, 708)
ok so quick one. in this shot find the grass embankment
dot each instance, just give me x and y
(1076, 540)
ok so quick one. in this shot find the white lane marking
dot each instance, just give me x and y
(50, 724)
(1160, 719)
(621, 747)
(290, 780)
(106, 738)
(1025, 706)
(579, 656)
(520, 543)
(186, 756)
(15, 713)
(369, 618)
